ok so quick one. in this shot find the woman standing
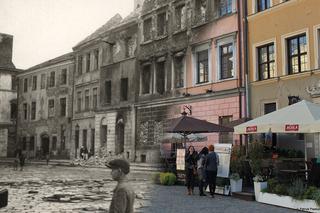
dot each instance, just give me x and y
(201, 169)
(211, 165)
(191, 161)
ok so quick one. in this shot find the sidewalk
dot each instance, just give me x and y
(173, 199)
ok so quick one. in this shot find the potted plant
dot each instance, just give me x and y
(259, 183)
(235, 182)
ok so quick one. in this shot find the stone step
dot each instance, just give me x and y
(248, 196)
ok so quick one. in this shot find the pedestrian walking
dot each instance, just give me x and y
(201, 169)
(123, 195)
(21, 160)
(211, 165)
(191, 168)
(47, 158)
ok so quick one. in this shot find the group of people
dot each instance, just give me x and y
(205, 166)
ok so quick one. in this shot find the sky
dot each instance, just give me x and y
(45, 29)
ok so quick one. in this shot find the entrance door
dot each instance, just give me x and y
(120, 138)
(103, 136)
(45, 144)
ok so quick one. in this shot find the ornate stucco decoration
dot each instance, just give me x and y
(314, 90)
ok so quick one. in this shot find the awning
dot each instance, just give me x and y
(302, 117)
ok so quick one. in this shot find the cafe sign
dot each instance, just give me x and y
(251, 129)
(292, 127)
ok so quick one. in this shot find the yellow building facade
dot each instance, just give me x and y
(283, 54)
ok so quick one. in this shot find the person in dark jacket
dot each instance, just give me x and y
(123, 195)
(191, 168)
(201, 169)
(211, 165)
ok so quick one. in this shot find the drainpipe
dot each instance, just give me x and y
(72, 100)
(240, 45)
(246, 55)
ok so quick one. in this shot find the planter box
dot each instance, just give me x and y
(258, 186)
(236, 185)
(289, 202)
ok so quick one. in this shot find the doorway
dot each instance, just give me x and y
(119, 136)
(45, 144)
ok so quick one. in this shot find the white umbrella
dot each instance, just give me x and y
(302, 117)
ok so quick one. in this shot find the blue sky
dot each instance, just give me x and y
(45, 29)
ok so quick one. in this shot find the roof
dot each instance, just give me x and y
(115, 20)
(56, 60)
(113, 23)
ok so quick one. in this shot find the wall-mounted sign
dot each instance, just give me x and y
(251, 129)
(292, 127)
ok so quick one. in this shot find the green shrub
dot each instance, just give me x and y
(280, 189)
(167, 178)
(308, 194)
(316, 196)
(297, 189)
(272, 183)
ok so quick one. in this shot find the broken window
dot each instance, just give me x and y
(130, 47)
(43, 81)
(86, 100)
(108, 92)
(124, 89)
(79, 100)
(200, 11)
(51, 108)
(94, 98)
(84, 138)
(52, 79)
(161, 24)
(63, 107)
(180, 17)
(96, 59)
(63, 77)
(88, 62)
(63, 138)
(202, 67)
(147, 29)
(25, 111)
(160, 77)
(13, 110)
(225, 7)
(179, 72)
(25, 85)
(34, 82)
(33, 110)
(226, 61)
(146, 79)
(80, 62)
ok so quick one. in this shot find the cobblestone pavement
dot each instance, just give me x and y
(50, 188)
(173, 199)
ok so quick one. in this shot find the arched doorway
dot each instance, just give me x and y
(45, 144)
(119, 135)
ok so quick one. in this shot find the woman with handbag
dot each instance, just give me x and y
(191, 168)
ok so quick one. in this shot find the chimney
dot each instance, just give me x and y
(6, 42)
(138, 4)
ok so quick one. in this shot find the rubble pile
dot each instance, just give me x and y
(98, 160)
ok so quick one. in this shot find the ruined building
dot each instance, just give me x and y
(45, 103)
(8, 97)
(189, 58)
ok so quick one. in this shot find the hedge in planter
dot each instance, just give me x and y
(167, 178)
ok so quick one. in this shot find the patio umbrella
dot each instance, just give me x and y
(175, 137)
(186, 125)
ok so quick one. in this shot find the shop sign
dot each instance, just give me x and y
(292, 127)
(251, 129)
